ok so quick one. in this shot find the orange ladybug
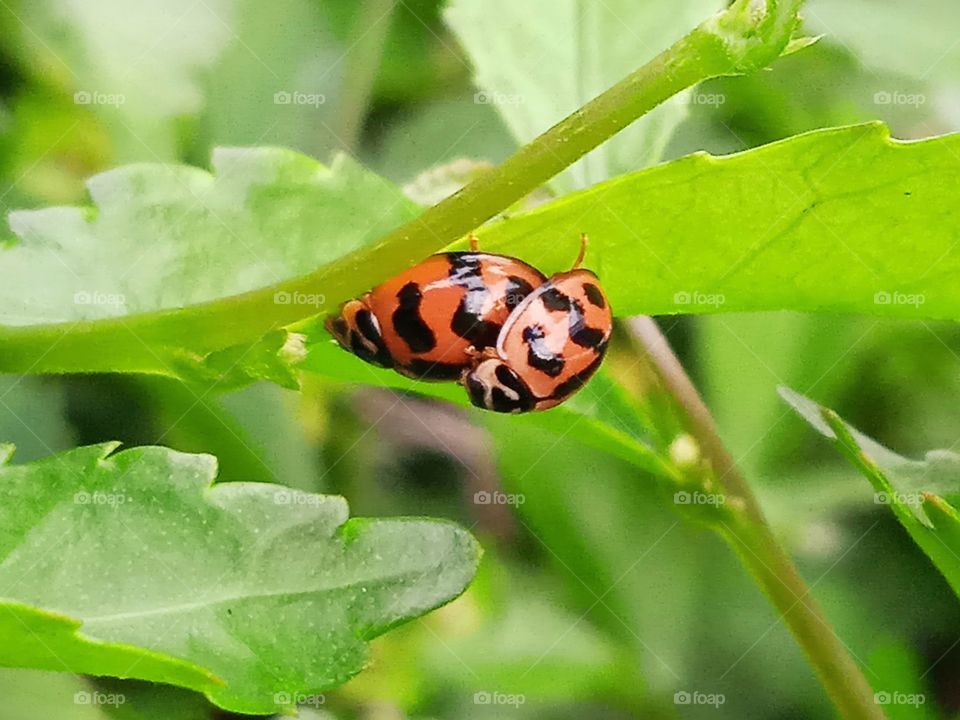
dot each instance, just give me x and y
(428, 322)
(548, 348)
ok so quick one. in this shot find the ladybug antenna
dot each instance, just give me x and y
(583, 251)
(474, 242)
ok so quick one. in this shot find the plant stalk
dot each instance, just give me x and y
(747, 35)
(756, 544)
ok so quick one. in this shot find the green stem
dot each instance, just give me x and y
(747, 35)
(757, 546)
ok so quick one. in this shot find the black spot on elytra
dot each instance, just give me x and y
(571, 385)
(472, 327)
(539, 355)
(587, 337)
(407, 321)
(594, 295)
(501, 401)
(579, 332)
(467, 321)
(368, 327)
(380, 356)
(429, 370)
(554, 300)
(517, 290)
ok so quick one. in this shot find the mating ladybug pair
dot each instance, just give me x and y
(515, 339)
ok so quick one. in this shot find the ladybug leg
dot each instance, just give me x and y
(583, 251)
(479, 355)
(474, 242)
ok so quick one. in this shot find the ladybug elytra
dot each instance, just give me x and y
(427, 321)
(516, 340)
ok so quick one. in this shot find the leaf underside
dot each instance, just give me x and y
(922, 494)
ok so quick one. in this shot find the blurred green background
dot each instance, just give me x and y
(594, 599)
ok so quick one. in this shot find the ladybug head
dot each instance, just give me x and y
(357, 330)
(493, 385)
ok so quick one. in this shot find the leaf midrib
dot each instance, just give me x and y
(213, 602)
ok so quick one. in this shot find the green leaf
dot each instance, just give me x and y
(134, 565)
(590, 409)
(767, 229)
(918, 492)
(741, 38)
(163, 237)
(167, 236)
(899, 680)
(538, 61)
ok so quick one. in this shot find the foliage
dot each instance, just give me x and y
(604, 591)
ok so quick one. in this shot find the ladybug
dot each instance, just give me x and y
(548, 348)
(429, 321)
